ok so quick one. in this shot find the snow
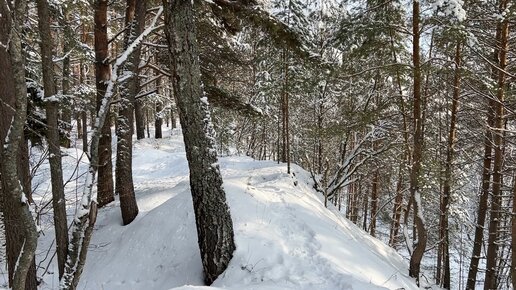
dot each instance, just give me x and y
(285, 237)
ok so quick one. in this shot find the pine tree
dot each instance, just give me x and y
(213, 220)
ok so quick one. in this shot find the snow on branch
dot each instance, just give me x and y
(86, 215)
(349, 166)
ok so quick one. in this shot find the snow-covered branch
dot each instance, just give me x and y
(86, 215)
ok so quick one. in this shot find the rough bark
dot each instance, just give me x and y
(20, 228)
(52, 111)
(134, 21)
(498, 125)
(420, 244)
(102, 76)
(213, 220)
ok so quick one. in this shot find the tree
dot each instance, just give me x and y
(102, 76)
(445, 199)
(415, 193)
(20, 227)
(52, 109)
(213, 220)
(84, 221)
(129, 88)
(492, 248)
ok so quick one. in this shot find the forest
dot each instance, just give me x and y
(396, 114)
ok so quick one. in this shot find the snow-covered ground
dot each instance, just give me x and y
(285, 237)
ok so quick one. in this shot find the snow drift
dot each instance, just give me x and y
(285, 237)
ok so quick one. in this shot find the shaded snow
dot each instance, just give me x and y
(285, 237)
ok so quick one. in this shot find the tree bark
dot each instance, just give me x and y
(450, 151)
(397, 210)
(513, 235)
(56, 171)
(158, 120)
(213, 220)
(420, 244)
(374, 204)
(285, 153)
(67, 46)
(129, 88)
(102, 76)
(158, 117)
(492, 247)
(20, 228)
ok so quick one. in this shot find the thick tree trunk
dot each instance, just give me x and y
(445, 199)
(20, 228)
(214, 225)
(102, 76)
(492, 247)
(134, 21)
(420, 245)
(56, 171)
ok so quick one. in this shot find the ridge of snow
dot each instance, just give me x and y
(285, 237)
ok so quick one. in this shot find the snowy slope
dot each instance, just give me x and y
(286, 238)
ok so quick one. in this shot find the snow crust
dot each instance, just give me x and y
(285, 237)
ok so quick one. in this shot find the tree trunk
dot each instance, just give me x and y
(513, 235)
(158, 117)
(420, 245)
(214, 225)
(139, 115)
(129, 88)
(374, 204)
(172, 118)
(285, 153)
(397, 210)
(83, 113)
(482, 204)
(67, 46)
(84, 119)
(20, 228)
(102, 76)
(445, 200)
(56, 171)
(158, 120)
(492, 247)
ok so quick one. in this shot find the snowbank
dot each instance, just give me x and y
(285, 237)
